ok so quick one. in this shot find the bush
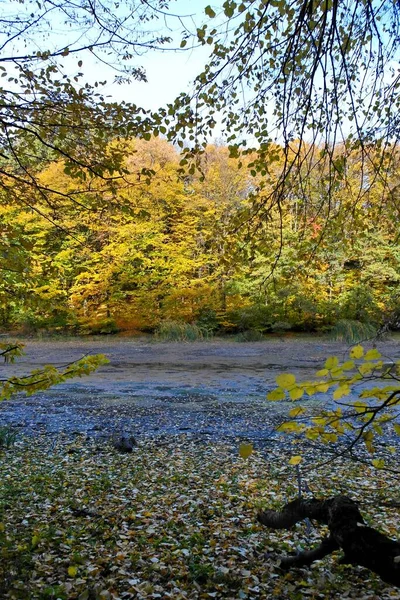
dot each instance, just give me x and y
(98, 326)
(207, 320)
(351, 331)
(280, 326)
(251, 335)
(252, 318)
(177, 331)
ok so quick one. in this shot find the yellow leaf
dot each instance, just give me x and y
(2, 527)
(72, 571)
(35, 541)
(368, 437)
(277, 394)
(311, 390)
(312, 433)
(245, 450)
(373, 354)
(337, 372)
(320, 420)
(296, 393)
(322, 373)
(338, 425)
(396, 427)
(378, 463)
(349, 364)
(286, 380)
(331, 362)
(290, 427)
(322, 387)
(295, 412)
(342, 390)
(330, 437)
(357, 352)
(366, 368)
(360, 406)
(295, 460)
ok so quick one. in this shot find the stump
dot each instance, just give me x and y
(362, 545)
(124, 443)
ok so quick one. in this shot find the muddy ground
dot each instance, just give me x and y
(215, 388)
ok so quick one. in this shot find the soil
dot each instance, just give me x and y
(215, 388)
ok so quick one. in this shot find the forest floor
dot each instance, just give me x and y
(176, 517)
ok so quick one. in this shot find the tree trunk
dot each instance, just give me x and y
(362, 545)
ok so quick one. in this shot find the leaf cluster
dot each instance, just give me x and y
(358, 412)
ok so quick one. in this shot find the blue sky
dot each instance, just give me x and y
(168, 73)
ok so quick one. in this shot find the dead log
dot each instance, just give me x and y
(362, 545)
(124, 443)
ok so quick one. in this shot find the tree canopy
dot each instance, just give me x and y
(49, 107)
(311, 76)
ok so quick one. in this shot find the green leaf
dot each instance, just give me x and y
(229, 8)
(378, 463)
(209, 12)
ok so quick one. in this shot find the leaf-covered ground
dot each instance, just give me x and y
(174, 519)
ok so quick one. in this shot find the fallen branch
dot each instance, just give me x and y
(362, 545)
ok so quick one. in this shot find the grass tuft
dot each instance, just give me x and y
(177, 331)
(8, 437)
(347, 330)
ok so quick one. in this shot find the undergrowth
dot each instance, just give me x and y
(350, 331)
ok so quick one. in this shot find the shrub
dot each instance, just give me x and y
(207, 320)
(251, 318)
(251, 335)
(281, 326)
(98, 326)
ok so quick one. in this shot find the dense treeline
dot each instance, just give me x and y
(155, 246)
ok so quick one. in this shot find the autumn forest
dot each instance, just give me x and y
(155, 246)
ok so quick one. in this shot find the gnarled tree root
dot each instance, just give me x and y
(362, 545)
